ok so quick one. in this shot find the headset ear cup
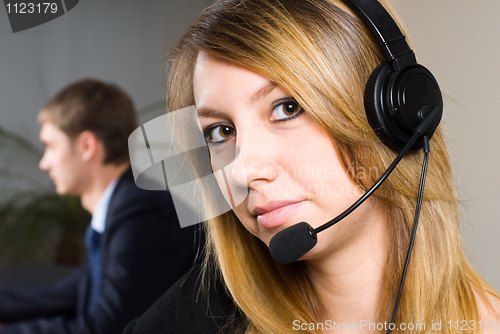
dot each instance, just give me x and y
(375, 109)
(394, 102)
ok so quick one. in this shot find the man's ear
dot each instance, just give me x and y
(88, 145)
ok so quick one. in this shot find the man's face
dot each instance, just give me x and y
(62, 160)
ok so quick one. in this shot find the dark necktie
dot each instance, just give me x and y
(92, 242)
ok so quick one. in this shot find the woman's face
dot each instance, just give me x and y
(291, 167)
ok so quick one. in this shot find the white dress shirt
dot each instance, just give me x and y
(98, 221)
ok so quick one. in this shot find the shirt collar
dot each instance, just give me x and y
(98, 221)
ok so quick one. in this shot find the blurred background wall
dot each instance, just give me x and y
(125, 41)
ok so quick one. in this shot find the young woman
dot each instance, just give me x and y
(284, 80)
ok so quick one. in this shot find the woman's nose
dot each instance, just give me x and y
(253, 161)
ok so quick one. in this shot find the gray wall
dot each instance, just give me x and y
(126, 41)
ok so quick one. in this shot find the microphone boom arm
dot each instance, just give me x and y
(434, 114)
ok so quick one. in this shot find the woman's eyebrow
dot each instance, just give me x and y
(209, 112)
(262, 92)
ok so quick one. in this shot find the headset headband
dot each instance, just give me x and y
(385, 30)
(399, 92)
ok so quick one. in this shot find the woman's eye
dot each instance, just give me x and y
(219, 133)
(286, 110)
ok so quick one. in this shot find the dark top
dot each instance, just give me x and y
(143, 252)
(184, 309)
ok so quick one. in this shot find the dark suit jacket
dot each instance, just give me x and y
(186, 308)
(144, 251)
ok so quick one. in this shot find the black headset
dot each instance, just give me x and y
(400, 91)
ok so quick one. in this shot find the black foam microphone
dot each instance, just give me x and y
(292, 243)
(289, 245)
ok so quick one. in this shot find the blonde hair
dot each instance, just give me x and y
(323, 55)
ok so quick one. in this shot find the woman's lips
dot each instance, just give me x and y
(279, 215)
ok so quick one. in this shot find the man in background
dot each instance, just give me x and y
(135, 245)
